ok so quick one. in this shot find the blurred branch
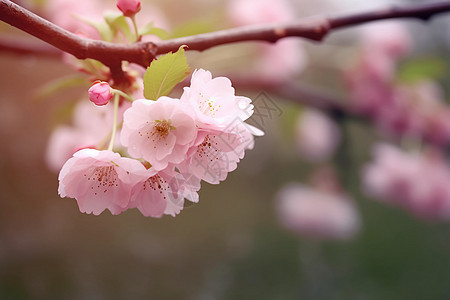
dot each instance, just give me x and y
(143, 53)
(27, 47)
(297, 93)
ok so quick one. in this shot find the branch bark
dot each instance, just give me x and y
(108, 53)
(142, 53)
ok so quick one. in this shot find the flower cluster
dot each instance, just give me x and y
(417, 182)
(171, 145)
(414, 109)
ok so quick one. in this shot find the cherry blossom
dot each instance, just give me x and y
(152, 195)
(159, 131)
(213, 156)
(100, 180)
(214, 101)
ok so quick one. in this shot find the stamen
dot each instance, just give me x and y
(157, 183)
(102, 178)
(208, 105)
(158, 132)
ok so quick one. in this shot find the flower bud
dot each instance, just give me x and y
(100, 93)
(129, 7)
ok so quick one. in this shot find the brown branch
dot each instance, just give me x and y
(142, 53)
(108, 53)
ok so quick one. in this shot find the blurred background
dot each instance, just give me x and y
(239, 241)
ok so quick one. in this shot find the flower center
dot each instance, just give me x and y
(207, 150)
(156, 132)
(162, 128)
(157, 183)
(208, 106)
(102, 178)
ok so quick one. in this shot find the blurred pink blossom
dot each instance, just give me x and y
(415, 109)
(282, 59)
(389, 38)
(371, 78)
(316, 135)
(91, 126)
(417, 182)
(316, 214)
(68, 14)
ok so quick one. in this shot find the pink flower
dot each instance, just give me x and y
(100, 93)
(213, 156)
(100, 180)
(163, 192)
(216, 152)
(159, 131)
(151, 195)
(129, 7)
(417, 182)
(316, 214)
(317, 136)
(213, 100)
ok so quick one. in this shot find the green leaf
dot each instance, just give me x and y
(149, 29)
(192, 28)
(117, 22)
(164, 73)
(420, 69)
(105, 31)
(59, 85)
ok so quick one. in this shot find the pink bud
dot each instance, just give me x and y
(100, 93)
(129, 7)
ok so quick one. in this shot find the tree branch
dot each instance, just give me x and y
(313, 28)
(143, 53)
(108, 53)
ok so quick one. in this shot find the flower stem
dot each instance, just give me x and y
(136, 31)
(124, 95)
(113, 132)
